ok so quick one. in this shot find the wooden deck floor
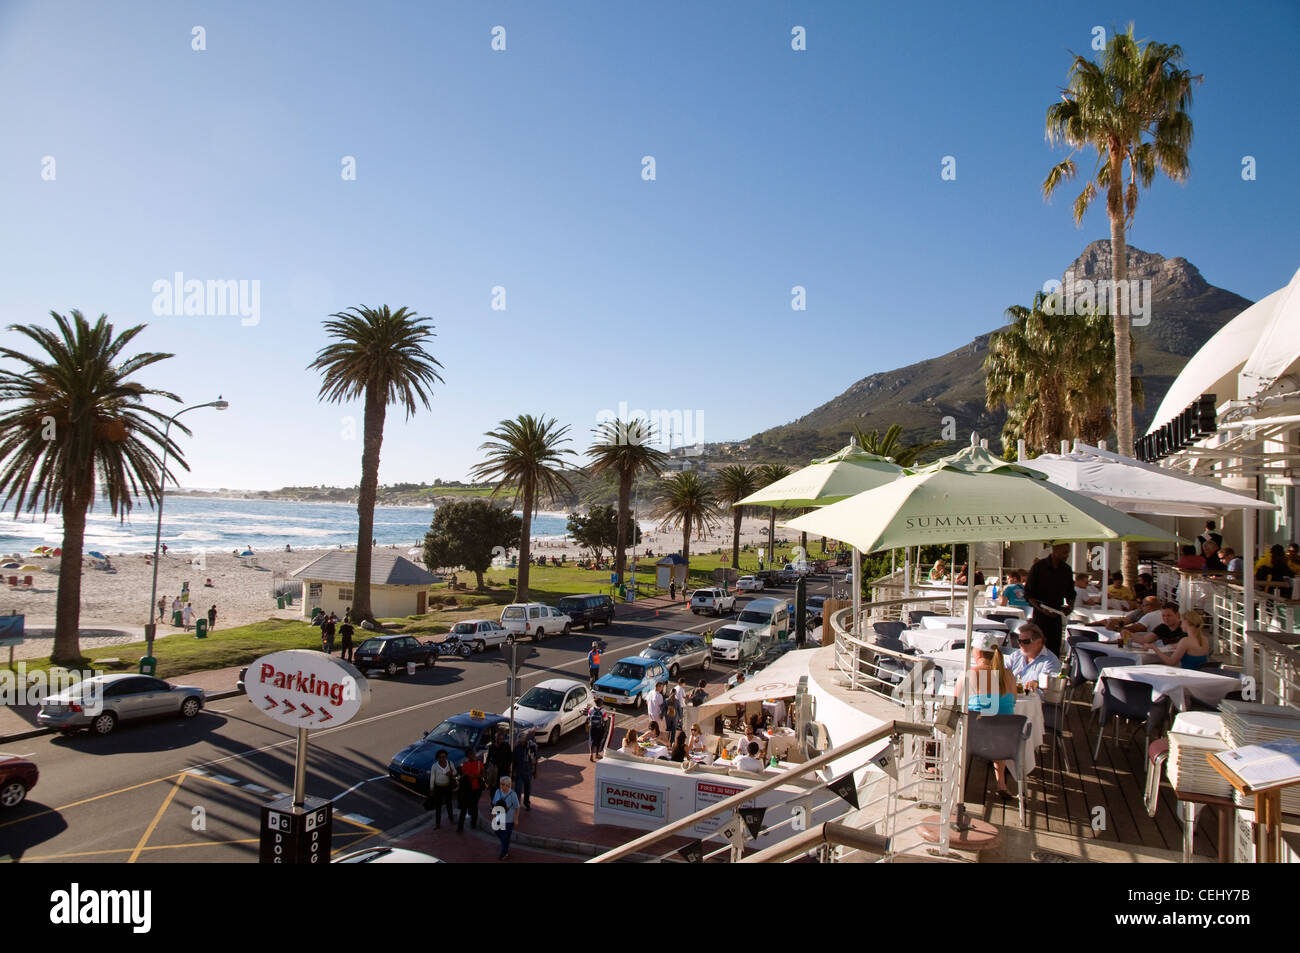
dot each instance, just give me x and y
(1065, 803)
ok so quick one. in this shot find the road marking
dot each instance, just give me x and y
(360, 819)
(225, 779)
(148, 832)
(255, 788)
(123, 850)
(223, 711)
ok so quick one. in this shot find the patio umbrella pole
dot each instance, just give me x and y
(1105, 576)
(962, 822)
(952, 582)
(857, 592)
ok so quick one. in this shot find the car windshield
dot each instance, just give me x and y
(816, 601)
(453, 735)
(728, 635)
(542, 699)
(628, 670)
(464, 628)
(759, 617)
(665, 645)
(513, 612)
(371, 645)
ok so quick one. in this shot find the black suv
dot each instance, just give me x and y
(588, 610)
(771, 577)
(392, 652)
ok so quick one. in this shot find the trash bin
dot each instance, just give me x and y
(176, 619)
(288, 600)
(410, 668)
(279, 602)
(147, 664)
(200, 628)
(315, 612)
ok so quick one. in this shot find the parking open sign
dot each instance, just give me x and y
(302, 688)
(638, 800)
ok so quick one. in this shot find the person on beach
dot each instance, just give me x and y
(176, 608)
(345, 650)
(162, 609)
(187, 616)
(164, 549)
(327, 635)
(212, 618)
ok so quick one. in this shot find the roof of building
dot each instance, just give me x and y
(673, 559)
(386, 569)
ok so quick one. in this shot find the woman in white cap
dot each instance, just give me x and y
(992, 688)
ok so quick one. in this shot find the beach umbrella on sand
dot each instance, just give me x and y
(972, 497)
(95, 555)
(828, 480)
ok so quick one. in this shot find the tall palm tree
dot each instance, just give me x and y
(525, 454)
(891, 445)
(1132, 109)
(379, 355)
(624, 449)
(687, 501)
(735, 482)
(79, 420)
(769, 473)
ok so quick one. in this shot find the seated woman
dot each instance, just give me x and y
(992, 689)
(939, 571)
(1190, 560)
(1193, 649)
(679, 747)
(629, 744)
(652, 735)
(695, 745)
(963, 577)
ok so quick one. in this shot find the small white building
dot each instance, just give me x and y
(398, 587)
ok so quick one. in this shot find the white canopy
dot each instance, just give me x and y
(1135, 487)
(778, 680)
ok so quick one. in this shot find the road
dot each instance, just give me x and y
(190, 791)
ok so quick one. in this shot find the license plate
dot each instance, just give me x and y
(408, 778)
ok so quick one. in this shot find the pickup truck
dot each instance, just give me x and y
(712, 600)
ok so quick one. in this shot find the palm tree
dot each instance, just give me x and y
(525, 454)
(378, 354)
(768, 474)
(623, 449)
(78, 417)
(891, 445)
(687, 501)
(1132, 108)
(735, 482)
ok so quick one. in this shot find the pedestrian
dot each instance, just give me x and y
(187, 616)
(164, 548)
(176, 610)
(596, 731)
(708, 640)
(1050, 590)
(442, 784)
(503, 821)
(327, 634)
(345, 632)
(162, 609)
(471, 788)
(670, 716)
(500, 756)
(655, 704)
(679, 698)
(347, 614)
(525, 765)
(212, 618)
(593, 663)
(672, 591)
(700, 694)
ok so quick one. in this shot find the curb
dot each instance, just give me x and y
(37, 732)
(557, 845)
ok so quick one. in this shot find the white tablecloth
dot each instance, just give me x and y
(1175, 683)
(1003, 610)
(951, 662)
(959, 622)
(930, 640)
(1140, 656)
(1103, 634)
(775, 712)
(1093, 613)
(656, 751)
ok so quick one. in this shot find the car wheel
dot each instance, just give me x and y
(430, 660)
(554, 737)
(104, 723)
(390, 669)
(672, 671)
(479, 646)
(12, 794)
(191, 707)
(539, 635)
(694, 611)
(466, 650)
(567, 627)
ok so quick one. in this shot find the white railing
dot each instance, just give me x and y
(1225, 604)
(1274, 666)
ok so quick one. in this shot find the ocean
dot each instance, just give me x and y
(191, 524)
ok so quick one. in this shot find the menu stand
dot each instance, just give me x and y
(1268, 811)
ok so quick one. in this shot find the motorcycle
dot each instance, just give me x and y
(455, 647)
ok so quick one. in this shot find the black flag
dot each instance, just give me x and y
(753, 818)
(846, 788)
(693, 852)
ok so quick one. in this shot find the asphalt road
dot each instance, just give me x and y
(190, 791)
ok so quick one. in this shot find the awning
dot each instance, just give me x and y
(778, 680)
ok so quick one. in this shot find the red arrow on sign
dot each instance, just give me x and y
(274, 703)
(289, 706)
(307, 710)
(325, 714)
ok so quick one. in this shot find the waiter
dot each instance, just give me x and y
(1050, 590)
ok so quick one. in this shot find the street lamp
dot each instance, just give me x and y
(150, 628)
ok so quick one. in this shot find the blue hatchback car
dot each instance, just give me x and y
(630, 681)
(459, 735)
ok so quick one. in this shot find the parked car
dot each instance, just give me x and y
(814, 605)
(738, 643)
(478, 634)
(749, 584)
(712, 600)
(680, 651)
(386, 855)
(770, 577)
(99, 703)
(460, 735)
(770, 616)
(588, 610)
(630, 681)
(17, 777)
(555, 706)
(534, 620)
(392, 652)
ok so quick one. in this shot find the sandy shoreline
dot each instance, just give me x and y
(242, 588)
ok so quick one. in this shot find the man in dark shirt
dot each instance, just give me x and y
(1051, 587)
(1168, 632)
(1209, 533)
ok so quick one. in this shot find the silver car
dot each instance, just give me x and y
(99, 703)
(677, 652)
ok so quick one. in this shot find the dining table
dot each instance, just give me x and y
(655, 751)
(959, 622)
(931, 640)
(1176, 684)
(1140, 655)
(1103, 634)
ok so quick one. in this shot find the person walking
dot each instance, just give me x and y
(212, 617)
(500, 757)
(187, 616)
(672, 591)
(525, 765)
(655, 704)
(593, 663)
(162, 609)
(442, 784)
(503, 822)
(596, 731)
(1050, 590)
(471, 788)
(345, 633)
(176, 610)
(327, 634)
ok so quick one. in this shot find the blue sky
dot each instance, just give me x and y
(523, 169)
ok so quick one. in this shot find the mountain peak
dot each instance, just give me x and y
(1176, 276)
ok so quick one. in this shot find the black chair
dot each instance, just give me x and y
(1055, 707)
(1074, 635)
(1006, 617)
(915, 616)
(888, 668)
(889, 630)
(1000, 738)
(1132, 700)
(1089, 664)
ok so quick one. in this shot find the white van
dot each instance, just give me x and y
(770, 618)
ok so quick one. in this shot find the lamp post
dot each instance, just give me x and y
(150, 628)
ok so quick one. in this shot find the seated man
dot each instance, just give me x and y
(1148, 605)
(1190, 561)
(1014, 593)
(1231, 560)
(1210, 553)
(1168, 631)
(1033, 659)
(1146, 586)
(1120, 593)
(749, 761)
(1150, 618)
(1085, 593)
